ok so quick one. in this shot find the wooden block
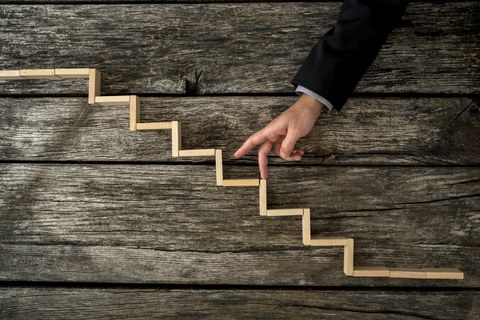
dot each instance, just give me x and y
(93, 85)
(241, 183)
(263, 197)
(38, 74)
(176, 138)
(284, 212)
(134, 112)
(413, 273)
(348, 258)
(74, 73)
(219, 166)
(154, 126)
(371, 272)
(328, 241)
(197, 153)
(10, 75)
(112, 100)
(306, 232)
(443, 273)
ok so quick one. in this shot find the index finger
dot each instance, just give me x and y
(254, 140)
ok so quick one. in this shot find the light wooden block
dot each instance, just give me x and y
(443, 273)
(348, 258)
(219, 166)
(371, 272)
(73, 73)
(154, 125)
(284, 212)
(176, 138)
(38, 74)
(306, 232)
(197, 153)
(328, 241)
(134, 112)
(263, 197)
(413, 273)
(241, 183)
(10, 75)
(93, 85)
(112, 100)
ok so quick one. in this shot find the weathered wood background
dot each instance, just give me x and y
(97, 222)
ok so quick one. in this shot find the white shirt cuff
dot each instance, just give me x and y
(317, 97)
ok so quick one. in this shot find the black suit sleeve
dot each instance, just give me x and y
(338, 61)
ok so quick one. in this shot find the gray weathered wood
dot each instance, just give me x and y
(368, 131)
(139, 223)
(230, 48)
(130, 303)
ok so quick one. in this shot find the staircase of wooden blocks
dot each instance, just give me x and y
(133, 101)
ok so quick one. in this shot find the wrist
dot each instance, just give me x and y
(311, 103)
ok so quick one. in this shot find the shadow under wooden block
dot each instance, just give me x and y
(134, 112)
(412, 273)
(73, 73)
(112, 100)
(348, 258)
(10, 75)
(262, 197)
(371, 272)
(219, 166)
(48, 74)
(443, 273)
(284, 212)
(154, 125)
(306, 227)
(241, 183)
(328, 241)
(93, 85)
(176, 138)
(197, 153)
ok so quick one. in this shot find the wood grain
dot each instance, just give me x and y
(229, 48)
(412, 131)
(172, 224)
(128, 303)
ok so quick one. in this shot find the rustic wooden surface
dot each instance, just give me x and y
(206, 49)
(99, 222)
(128, 303)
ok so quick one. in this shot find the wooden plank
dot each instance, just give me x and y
(38, 74)
(179, 303)
(328, 241)
(112, 100)
(176, 138)
(134, 112)
(10, 75)
(444, 273)
(371, 272)
(113, 218)
(284, 212)
(94, 85)
(229, 46)
(262, 197)
(405, 131)
(306, 229)
(413, 273)
(241, 182)
(348, 258)
(154, 125)
(197, 153)
(73, 73)
(219, 166)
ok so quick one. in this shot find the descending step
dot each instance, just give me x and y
(94, 98)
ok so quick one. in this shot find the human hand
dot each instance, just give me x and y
(283, 133)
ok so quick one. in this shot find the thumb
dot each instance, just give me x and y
(288, 145)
